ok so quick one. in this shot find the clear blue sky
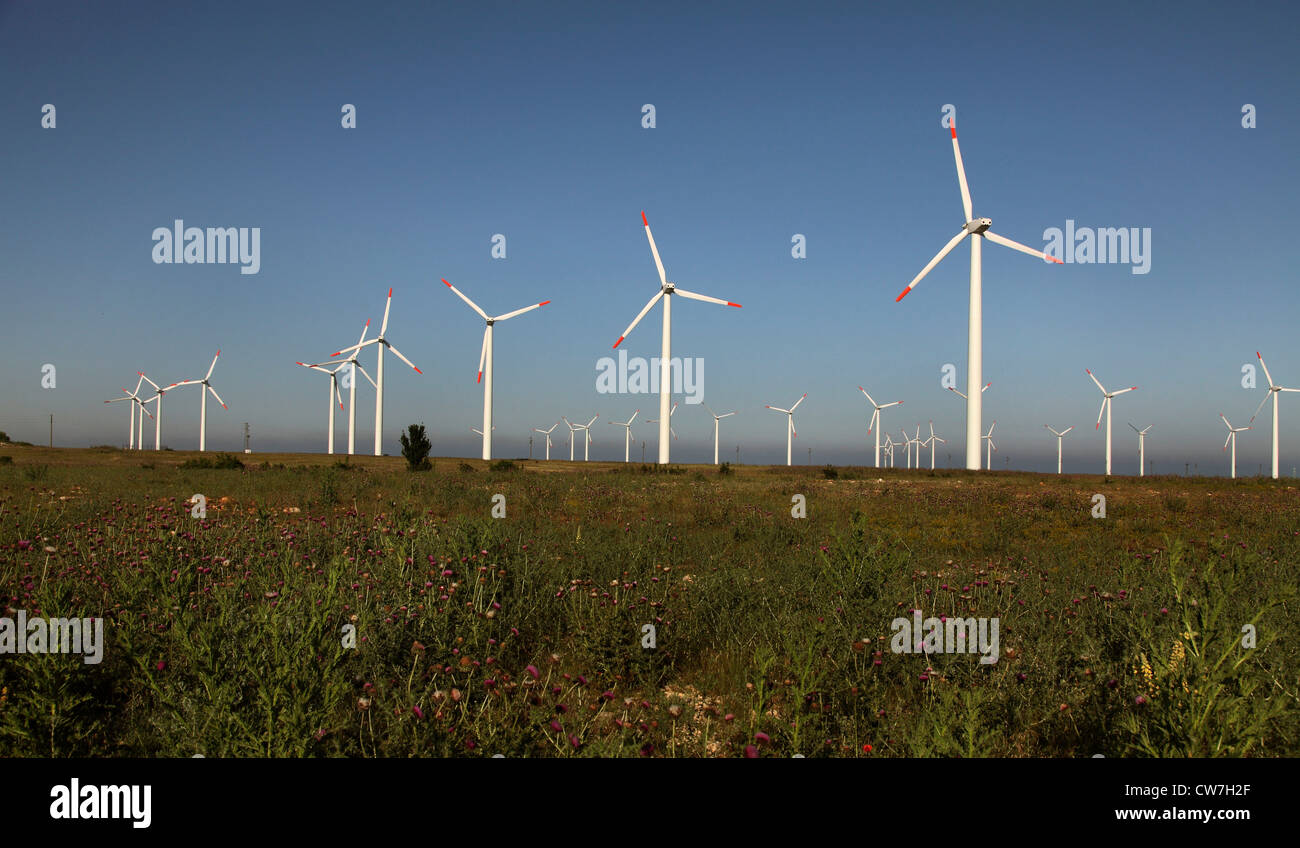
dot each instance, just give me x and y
(525, 120)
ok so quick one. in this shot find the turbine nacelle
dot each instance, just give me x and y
(977, 226)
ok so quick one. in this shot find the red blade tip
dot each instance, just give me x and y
(417, 370)
(737, 305)
(390, 291)
(901, 296)
(480, 377)
(620, 341)
(643, 219)
(543, 303)
(444, 279)
(954, 129)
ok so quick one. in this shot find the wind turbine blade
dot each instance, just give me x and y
(1225, 441)
(775, 408)
(213, 365)
(403, 358)
(726, 415)
(875, 419)
(363, 332)
(1095, 380)
(459, 294)
(1134, 429)
(356, 347)
(383, 328)
(961, 173)
(520, 311)
(869, 399)
(710, 411)
(1267, 375)
(640, 315)
(482, 355)
(1104, 401)
(947, 248)
(592, 421)
(338, 394)
(1015, 245)
(1122, 391)
(147, 380)
(1267, 395)
(706, 298)
(1067, 429)
(799, 401)
(663, 278)
(357, 365)
(959, 394)
(217, 396)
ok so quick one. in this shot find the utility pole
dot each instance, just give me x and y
(1185, 465)
(643, 452)
(738, 459)
(246, 450)
(51, 429)
(530, 447)
(810, 456)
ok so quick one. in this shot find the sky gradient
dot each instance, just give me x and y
(771, 120)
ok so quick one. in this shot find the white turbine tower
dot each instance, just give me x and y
(1105, 410)
(353, 367)
(627, 440)
(134, 398)
(790, 433)
(586, 445)
(203, 401)
(333, 391)
(875, 419)
(485, 362)
(143, 412)
(1273, 391)
(547, 434)
(1060, 437)
(988, 462)
(1232, 439)
(919, 444)
(666, 291)
(716, 419)
(157, 421)
(930, 441)
(907, 442)
(382, 341)
(1142, 447)
(978, 230)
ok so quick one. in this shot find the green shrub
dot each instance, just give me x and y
(415, 447)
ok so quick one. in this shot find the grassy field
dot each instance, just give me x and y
(525, 635)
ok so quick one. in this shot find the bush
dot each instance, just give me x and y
(36, 473)
(4, 437)
(503, 465)
(415, 447)
(724, 468)
(6, 460)
(223, 461)
(830, 473)
(466, 468)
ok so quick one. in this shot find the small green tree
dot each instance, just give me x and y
(415, 447)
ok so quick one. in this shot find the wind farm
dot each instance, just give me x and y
(433, 577)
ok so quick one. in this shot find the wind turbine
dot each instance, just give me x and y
(333, 390)
(547, 434)
(203, 401)
(666, 291)
(978, 230)
(1142, 447)
(962, 394)
(889, 450)
(1232, 438)
(627, 440)
(353, 367)
(586, 445)
(134, 398)
(383, 342)
(1273, 391)
(875, 419)
(716, 419)
(1105, 410)
(485, 362)
(790, 433)
(988, 463)
(907, 441)
(157, 421)
(1060, 437)
(933, 438)
(917, 441)
(671, 412)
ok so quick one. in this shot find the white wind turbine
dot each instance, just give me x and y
(157, 419)
(1105, 410)
(978, 230)
(1060, 437)
(1142, 447)
(485, 362)
(353, 367)
(1232, 438)
(875, 419)
(930, 441)
(907, 442)
(333, 391)
(962, 394)
(666, 291)
(203, 401)
(382, 341)
(889, 449)
(716, 419)
(916, 440)
(988, 462)
(790, 433)
(586, 445)
(627, 440)
(1273, 391)
(547, 434)
(134, 398)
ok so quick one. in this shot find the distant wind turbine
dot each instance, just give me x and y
(1105, 410)
(203, 401)
(627, 436)
(716, 419)
(1059, 438)
(790, 433)
(1232, 439)
(383, 343)
(1273, 391)
(988, 463)
(547, 434)
(1142, 447)
(875, 419)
